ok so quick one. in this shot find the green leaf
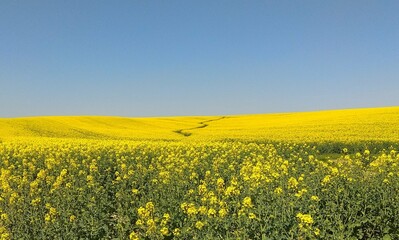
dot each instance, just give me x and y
(386, 237)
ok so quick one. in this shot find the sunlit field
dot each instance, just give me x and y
(312, 175)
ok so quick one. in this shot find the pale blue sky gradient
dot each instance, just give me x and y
(157, 58)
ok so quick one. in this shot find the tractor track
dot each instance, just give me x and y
(202, 124)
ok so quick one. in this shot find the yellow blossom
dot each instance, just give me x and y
(134, 236)
(247, 202)
(164, 231)
(72, 218)
(199, 225)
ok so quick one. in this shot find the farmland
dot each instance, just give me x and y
(312, 175)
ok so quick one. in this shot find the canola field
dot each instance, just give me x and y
(314, 175)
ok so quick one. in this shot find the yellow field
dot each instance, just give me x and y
(315, 175)
(379, 124)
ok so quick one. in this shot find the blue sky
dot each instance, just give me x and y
(157, 58)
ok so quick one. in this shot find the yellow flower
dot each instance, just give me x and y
(135, 191)
(247, 202)
(305, 218)
(213, 200)
(52, 211)
(149, 206)
(315, 198)
(139, 222)
(150, 223)
(211, 212)
(192, 210)
(251, 216)
(63, 172)
(230, 190)
(301, 192)
(199, 225)
(184, 206)
(202, 210)
(47, 217)
(222, 212)
(202, 189)
(72, 218)
(35, 201)
(164, 231)
(278, 190)
(90, 179)
(13, 198)
(41, 174)
(166, 216)
(386, 181)
(4, 234)
(292, 183)
(220, 182)
(326, 180)
(134, 236)
(4, 216)
(176, 232)
(142, 212)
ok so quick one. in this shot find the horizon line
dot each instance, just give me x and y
(218, 115)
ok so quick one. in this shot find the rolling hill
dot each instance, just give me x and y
(374, 124)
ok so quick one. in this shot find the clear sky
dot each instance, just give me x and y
(156, 58)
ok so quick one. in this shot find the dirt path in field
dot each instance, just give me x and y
(202, 124)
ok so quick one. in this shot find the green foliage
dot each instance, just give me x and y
(82, 189)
